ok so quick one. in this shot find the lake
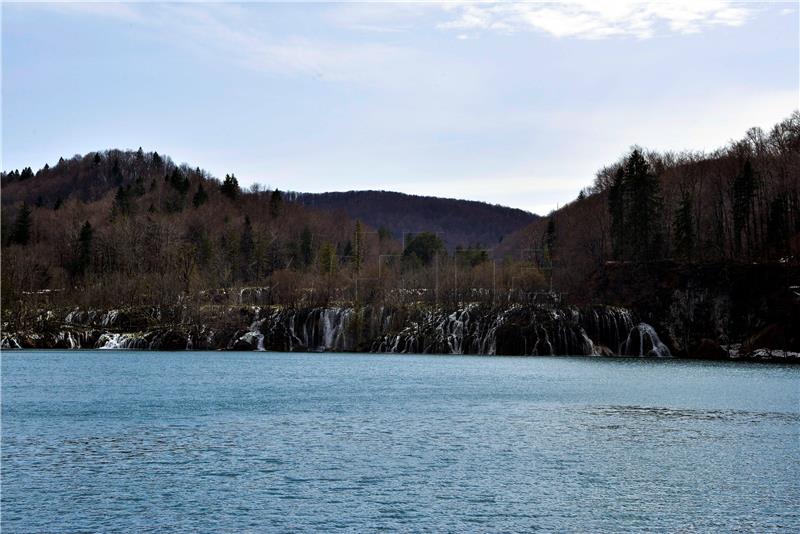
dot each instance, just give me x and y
(231, 442)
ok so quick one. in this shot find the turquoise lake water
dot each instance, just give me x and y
(251, 442)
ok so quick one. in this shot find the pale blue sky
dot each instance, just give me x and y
(517, 104)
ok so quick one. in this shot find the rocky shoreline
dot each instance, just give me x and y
(516, 330)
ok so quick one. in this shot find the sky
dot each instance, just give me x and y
(511, 103)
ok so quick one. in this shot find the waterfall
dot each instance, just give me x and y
(466, 329)
(643, 341)
(10, 342)
(121, 341)
(66, 338)
(109, 318)
(335, 323)
(254, 337)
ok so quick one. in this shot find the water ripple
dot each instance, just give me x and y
(253, 443)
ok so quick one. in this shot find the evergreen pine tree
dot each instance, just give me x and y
(21, 232)
(616, 207)
(84, 249)
(327, 259)
(121, 202)
(200, 197)
(230, 187)
(642, 208)
(423, 248)
(179, 182)
(275, 203)
(116, 173)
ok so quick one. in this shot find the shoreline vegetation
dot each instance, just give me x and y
(703, 249)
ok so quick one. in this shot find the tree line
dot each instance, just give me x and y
(137, 229)
(740, 203)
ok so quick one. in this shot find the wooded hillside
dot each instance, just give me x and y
(118, 228)
(738, 204)
(458, 222)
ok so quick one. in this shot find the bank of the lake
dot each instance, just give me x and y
(467, 328)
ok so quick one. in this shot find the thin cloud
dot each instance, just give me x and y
(231, 33)
(119, 11)
(597, 20)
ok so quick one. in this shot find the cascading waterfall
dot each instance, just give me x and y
(10, 342)
(468, 329)
(122, 341)
(254, 337)
(643, 341)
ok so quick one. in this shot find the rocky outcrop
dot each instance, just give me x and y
(522, 330)
(722, 310)
(469, 329)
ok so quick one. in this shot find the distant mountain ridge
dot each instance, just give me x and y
(458, 222)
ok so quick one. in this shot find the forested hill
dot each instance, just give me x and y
(133, 228)
(739, 204)
(457, 222)
(90, 177)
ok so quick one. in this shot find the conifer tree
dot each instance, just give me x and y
(642, 208)
(230, 187)
(21, 232)
(116, 173)
(121, 202)
(200, 197)
(423, 247)
(179, 182)
(616, 207)
(275, 203)
(84, 249)
(327, 259)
